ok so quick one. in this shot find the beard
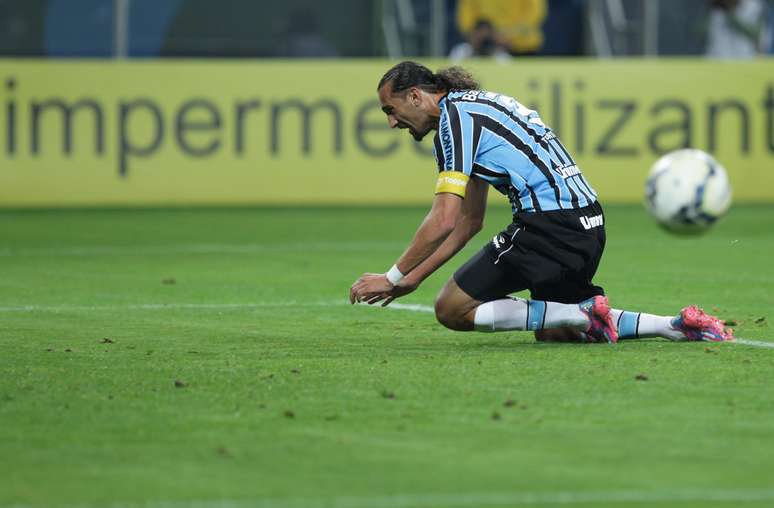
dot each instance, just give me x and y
(418, 136)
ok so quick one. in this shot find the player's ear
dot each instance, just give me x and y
(414, 96)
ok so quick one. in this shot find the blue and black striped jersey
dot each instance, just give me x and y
(495, 138)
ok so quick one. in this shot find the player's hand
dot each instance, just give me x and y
(369, 286)
(403, 288)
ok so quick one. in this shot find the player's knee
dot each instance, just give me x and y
(448, 316)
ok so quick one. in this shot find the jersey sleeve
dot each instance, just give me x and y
(453, 147)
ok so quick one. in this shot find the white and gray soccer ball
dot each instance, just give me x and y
(687, 191)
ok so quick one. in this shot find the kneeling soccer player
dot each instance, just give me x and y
(554, 243)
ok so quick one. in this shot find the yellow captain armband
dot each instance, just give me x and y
(453, 182)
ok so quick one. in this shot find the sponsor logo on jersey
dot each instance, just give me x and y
(569, 171)
(592, 222)
(446, 143)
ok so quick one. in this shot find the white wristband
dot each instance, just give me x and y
(394, 275)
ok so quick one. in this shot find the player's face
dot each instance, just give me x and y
(405, 111)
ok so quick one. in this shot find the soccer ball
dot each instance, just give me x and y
(687, 191)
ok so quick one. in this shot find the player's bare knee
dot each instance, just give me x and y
(442, 314)
(454, 308)
(453, 322)
(447, 315)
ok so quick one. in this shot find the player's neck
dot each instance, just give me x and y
(435, 111)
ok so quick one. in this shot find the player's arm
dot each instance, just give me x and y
(438, 225)
(435, 228)
(469, 222)
(455, 166)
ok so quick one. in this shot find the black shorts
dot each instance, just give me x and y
(552, 254)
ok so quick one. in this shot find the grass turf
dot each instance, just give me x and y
(168, 357)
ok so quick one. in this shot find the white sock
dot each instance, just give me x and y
(638, 325)
(518, 314)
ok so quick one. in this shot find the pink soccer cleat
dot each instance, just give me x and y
(696, 324)
(601, 323)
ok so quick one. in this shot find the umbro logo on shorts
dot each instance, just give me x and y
(498, 240)
(592, 222)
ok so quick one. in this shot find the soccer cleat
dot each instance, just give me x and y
(601, 325)
(696, 324)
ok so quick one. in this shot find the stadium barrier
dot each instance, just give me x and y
(76, 133)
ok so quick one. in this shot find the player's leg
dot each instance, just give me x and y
(477, 281)
(457, 310)
(577, 287)
(692, 323)
(636, 325)
(476, 299)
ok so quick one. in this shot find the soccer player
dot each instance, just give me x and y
(552, 246)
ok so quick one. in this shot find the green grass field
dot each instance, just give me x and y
(207, 358)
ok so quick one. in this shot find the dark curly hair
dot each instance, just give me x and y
(407, 74)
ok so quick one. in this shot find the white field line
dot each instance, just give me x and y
(411, 307)
(206, 248)
(755, 343)
(666, 497)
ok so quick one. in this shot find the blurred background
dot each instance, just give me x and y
(383, 28)
(199, 102)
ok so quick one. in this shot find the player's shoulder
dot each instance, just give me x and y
(474, 96)
(497, 105)
(469, 101)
